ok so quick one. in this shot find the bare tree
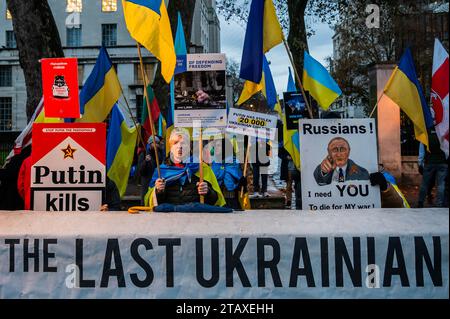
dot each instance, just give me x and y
(37, 37)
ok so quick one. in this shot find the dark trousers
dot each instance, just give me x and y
(256, 174)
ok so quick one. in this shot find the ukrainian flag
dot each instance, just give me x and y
(120, 146)
(404, 89)
(267, 86)
(391, 180)
(101, 91)
(262, 34)
(173, 175)
(149, 24)
(291, 142)
(319, 82)
(180, 50)
(291, 87)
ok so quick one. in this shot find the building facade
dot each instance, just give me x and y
(85, 25)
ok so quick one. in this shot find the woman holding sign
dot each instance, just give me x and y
(179, 183)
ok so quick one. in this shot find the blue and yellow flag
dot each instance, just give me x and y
(291, 143)
(149, 24)
(119, 150)
(267, 86)
(391, 180)
(291, 87)
(319, 82)
(101, 91)
(181, 175)
(262, 34)
(405, 90)
(180, 50)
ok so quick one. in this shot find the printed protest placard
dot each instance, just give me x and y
(252, 123)
(295, 108)
(200, 92)
(337, 157)
(60, 87)
(68, 167)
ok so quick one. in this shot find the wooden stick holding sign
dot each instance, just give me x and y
(247, 155)
(144, 79)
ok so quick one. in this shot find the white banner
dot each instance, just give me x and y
(252, 123)
(337, 157)
(209, 256)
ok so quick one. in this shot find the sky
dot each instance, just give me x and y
(320, 45)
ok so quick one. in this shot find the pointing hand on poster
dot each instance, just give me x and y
(327, 165)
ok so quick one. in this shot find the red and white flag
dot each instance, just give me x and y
(439, 94)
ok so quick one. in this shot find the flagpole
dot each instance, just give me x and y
(376, 106)
(141, 140)
(144, 79)
(298, 77)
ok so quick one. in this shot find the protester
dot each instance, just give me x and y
(260, 160)
(24, 182)
(179, 182)
(147, 163)
(10, 197)
(228, 173)
(111, 197)
(435, 162)
(421, 162)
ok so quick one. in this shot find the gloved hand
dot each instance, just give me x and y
(243, 183)
(378, 179)
(420, 169)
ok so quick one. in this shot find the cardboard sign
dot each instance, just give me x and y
(252, 123)
(295, 108)
(337, 157)
(200, 92)
(68, 167)
(60, 87)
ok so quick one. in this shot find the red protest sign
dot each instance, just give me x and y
(60, 87)
(68, 170)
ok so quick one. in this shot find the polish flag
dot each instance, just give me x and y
(439, 94)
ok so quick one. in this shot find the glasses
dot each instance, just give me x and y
(341, 149)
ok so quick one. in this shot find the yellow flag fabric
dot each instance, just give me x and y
(150, 26)
(291, 143)
(272, 32)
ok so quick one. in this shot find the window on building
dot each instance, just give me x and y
(74, 6)
(139, 102)
(10, 40)
(5, 114)
(149, 70)
(5, 75)
(109, 35)
(8, 15)
(109, 5)
(74, 37)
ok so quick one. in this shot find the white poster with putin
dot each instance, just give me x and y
(200, 92)
(337, 158)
